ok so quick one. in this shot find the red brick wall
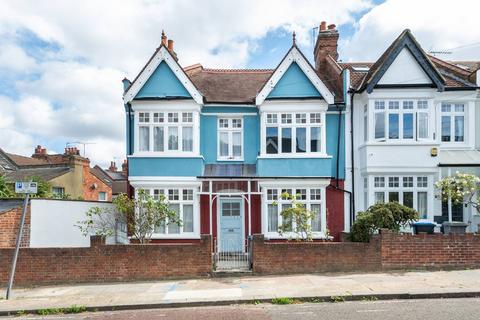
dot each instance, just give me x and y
(335, 210)
(9, 224)
(307, 257)
(104, 263)
(430, 251)
(89, 180)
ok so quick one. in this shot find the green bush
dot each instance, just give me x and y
(391, 215)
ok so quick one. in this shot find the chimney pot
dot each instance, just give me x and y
(113, 166)
(164, 38)
(323, 26)
(331, 26)
(124, 165)
(170, 44)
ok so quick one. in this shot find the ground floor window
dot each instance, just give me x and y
(411, 191)
(181, 200)
(311, 197)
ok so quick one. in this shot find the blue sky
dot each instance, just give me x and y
(61, 63)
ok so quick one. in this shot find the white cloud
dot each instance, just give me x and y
(437, 25)
(14, 59)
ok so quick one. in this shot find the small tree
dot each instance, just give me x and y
(461, 188)
(391, 215)
(141, 215)
(296, 218)
(5, 189)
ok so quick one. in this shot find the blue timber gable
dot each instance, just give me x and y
(294, 84)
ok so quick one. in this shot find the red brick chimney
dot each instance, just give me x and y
(124, 166)
(113, 166)
(72, 151)
(164, 38)
(327, 42)
(40, 152)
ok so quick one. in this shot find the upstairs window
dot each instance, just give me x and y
(165, 132)
(293, 133)
(401, 120)
(453, 122)
(230, 138)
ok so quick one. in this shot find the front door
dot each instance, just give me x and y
(231, 225)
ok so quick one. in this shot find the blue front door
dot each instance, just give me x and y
(231, 225)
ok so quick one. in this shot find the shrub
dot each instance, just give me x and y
(283, 300)
(391, 215)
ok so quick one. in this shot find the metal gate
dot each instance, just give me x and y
(228, 257)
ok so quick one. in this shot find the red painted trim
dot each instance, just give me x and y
(335, 210)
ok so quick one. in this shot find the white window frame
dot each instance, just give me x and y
(106, 196)
(293, 126)
(452, 113)
(400, 111)
(230, 130)
(151, 124)
(150, 189)
(279, 186)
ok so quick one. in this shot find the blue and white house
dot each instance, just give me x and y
(223, 144)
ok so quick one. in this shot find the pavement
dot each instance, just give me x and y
(247, 289)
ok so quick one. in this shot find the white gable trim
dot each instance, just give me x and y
(162, 55)
(294, 56)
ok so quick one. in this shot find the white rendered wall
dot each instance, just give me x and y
(405, 70)
(53, 223)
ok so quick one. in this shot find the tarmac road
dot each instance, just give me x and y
(438, 309)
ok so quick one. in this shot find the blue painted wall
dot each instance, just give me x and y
(149, 166)
(208, 135)
(294, 167)
(162, 84)
(294, 84)
(332, 143)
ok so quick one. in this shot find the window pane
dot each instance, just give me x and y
(379, 125)
(173, 227)
(408, 125)
(223, 144)
(187, 117)
(187, 218)
(408, 199)
(459, 121)
(286, 118)
(393, 126)
(272, 140)
(445, 128)
(237, 144)
(187, 194)
(422, 182)
(301, 118)
(316, 220)
(172, 138)
(287, 223)
(408, 182)
(315, 118)
(422, 125)
(272, 218)
(446, 108)
(407, 104)
(301, 139)
(173, 117)
(236, 123)
(379, 197)
(393, 105)
(286, 140)
(379, 182)
(187, 139)
(459, 108)
(422, 204)
(158, 139)
(272, 194)
(393, 196)
(158, 117)
(271, 118)
(144, 142)
(160, 228)
(393, 182)
(315, 136)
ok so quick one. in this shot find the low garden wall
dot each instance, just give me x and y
(385, 251)
(107, 263)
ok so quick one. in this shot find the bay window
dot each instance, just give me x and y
(311, 197)
(294, 133)
(167, 132)
(401, 120)
(230, 138)
(411, 191)
(453, 122)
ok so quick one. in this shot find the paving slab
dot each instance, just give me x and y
(225, 290)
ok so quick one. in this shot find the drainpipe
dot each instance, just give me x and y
(352, 206)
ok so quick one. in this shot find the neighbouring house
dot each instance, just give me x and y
(223, 144)
(69, 174)
(415, 120)
(116, 179)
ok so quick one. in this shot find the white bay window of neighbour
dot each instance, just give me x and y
(168, 132)
(180, 201)
(405, 120)
(411, 191)
(310, 197)
(293, 133)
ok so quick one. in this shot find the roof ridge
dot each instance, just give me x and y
(449, 64)
(233, 70)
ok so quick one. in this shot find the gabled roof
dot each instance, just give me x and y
(294, 55)
(404, 40)
(161, 54)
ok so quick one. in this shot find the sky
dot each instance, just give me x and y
(62, 62)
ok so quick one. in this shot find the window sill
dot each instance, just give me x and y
(295, 156)
(293, 236)
(229, 159)
(165, 155)
(400, 143)
(176, 236)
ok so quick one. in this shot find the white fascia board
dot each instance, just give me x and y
(324, 182)
(162, 55)
(161, 105)
(294, 106)
(294, 56)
